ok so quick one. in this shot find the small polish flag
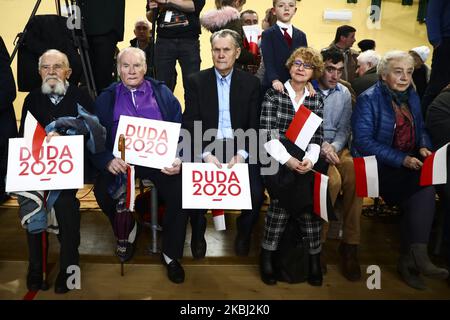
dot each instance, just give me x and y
(302, 127)
(252, 34)
(320, 195)
(434, 169)
(366, 176)
(219, 219)
(34, 135)
(131, 188)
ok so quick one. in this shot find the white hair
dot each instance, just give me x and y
(65, 60)
(395, 55)
(142, 20)
(136, 51)
(369, 57)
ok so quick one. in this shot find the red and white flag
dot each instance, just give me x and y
(434, 169)
(303, 127)
(252, 34)
(320, 195)
(219, 219)
(34, 135)
(131, 188)
(366, 176)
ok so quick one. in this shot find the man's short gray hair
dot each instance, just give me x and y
(395, 55)
(142, 21)
(369, 56)
(136, 51)
(224, 33)
(54, 51)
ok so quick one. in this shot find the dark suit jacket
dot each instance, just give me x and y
(202, 104)
(8, 125)
(276, 51)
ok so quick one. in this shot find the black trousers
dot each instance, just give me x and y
(67, 210)
(247, 218)
(440, 73)
(102, 50)
(169, 188)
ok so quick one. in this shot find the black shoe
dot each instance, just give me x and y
(34, 278)
(175, 271)
(266, 267)
(61, 283)
(198, 248)
(315, 277)
(242, 245)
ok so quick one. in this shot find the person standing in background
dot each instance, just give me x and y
(177, 39)
(8, 123)
(104, 25)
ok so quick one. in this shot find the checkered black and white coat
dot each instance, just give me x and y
(278, 112)
(276, 115)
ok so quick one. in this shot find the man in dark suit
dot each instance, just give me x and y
(225, 99)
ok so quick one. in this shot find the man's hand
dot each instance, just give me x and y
(117, 166)
(175, 169)
(424, 152)
(329, 153)
(50, 135)
(412, 163)
(277, 85)
(236, 159)
(301, 167)
(212, 159)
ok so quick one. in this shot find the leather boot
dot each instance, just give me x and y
(408, 272)
(349, 261)
(315, 271)
(419, 254)
(35, 280)
(266, 267)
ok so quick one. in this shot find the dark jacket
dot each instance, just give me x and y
(438, 119)
(104, 109)
(276, 51)
(8, 125)
(202, 104)
(368, 79)
(103, 16)
(438, 21)
(373, 124)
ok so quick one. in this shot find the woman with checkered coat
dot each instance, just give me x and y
(291, 188)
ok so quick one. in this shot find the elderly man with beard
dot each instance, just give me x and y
(55, 99)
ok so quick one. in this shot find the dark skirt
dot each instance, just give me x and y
(397, 184)
(294, 191)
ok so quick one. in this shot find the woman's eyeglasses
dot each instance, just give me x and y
(299, 63)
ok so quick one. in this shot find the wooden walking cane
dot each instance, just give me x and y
(121, 147)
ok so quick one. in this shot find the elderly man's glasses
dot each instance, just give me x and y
(299, 63)
(55, 67)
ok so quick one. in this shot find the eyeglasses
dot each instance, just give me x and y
(299, 63)
(330, 69)
(55, 67)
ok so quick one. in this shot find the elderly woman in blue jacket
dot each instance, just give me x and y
(387, 122)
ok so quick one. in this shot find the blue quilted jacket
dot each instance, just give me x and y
(373, 124)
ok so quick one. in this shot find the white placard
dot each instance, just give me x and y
(207, 187)
(60, 165)
(148, 143)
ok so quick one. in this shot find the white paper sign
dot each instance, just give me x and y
(207, 187)
(148, 143)
(252, 33)
(60, 165)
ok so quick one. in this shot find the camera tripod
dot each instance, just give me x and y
(79, 39)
